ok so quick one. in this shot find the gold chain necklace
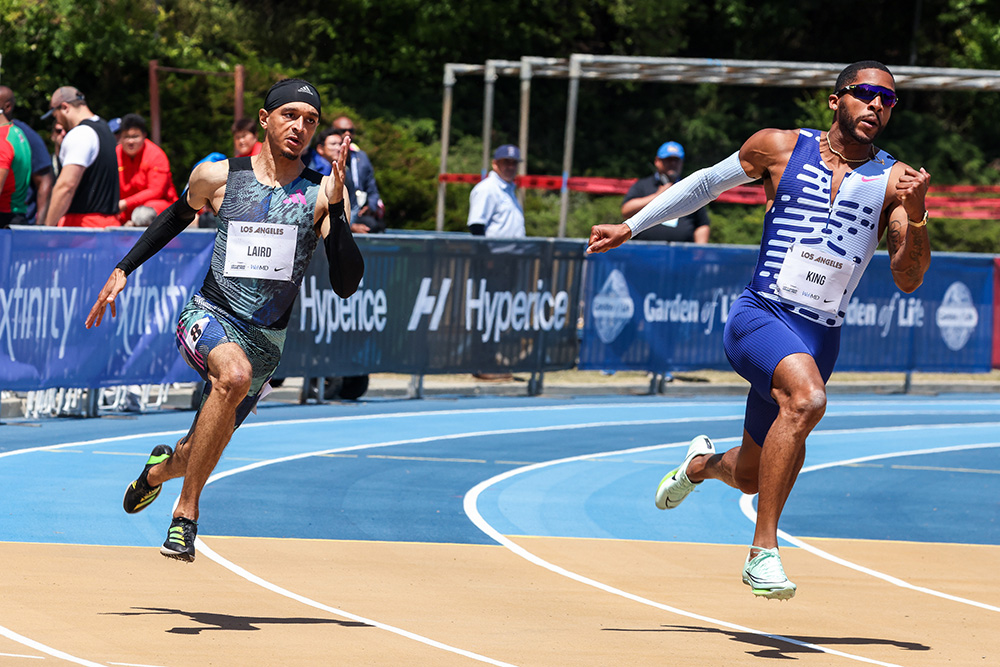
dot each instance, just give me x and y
(841, 155)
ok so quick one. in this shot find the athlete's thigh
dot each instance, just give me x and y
(756, 340)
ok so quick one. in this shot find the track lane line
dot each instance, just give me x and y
(746, 505)
(477, 519)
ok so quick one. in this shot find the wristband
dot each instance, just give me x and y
(922, 223)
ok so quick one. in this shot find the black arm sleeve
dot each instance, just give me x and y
(347, 266)
(477, 229)
(174, 220)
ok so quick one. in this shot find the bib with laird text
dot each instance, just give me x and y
(262, 250)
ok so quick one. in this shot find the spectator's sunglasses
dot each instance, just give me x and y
(867, 92)
(344, 130)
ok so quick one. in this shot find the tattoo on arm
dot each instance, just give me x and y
(917, 238)
(894, 238)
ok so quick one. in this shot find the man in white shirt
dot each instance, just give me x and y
(86, 193)
(494, 210)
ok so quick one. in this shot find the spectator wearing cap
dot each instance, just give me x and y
(40, 187)
(143, 174)
(494, 210)
(691, 228)
(86, 192)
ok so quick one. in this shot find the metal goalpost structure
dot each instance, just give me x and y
(659, 70)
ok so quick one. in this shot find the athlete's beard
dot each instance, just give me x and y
(849, 127)
(288, 155)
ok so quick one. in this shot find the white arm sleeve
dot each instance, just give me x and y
(691, 193)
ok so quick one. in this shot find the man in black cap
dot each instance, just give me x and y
(272, 213)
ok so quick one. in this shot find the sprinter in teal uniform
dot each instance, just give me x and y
(273, 212)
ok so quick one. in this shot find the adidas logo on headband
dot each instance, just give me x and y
(291, 90)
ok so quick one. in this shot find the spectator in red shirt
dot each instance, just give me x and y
(245, 141)
(143, 174)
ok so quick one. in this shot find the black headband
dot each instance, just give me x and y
(291, 90)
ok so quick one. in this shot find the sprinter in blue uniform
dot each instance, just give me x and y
(830, 197)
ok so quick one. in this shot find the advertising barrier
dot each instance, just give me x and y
(996, 313)
(441, 304)
(428, 304)
(49, 279)
(660, 308)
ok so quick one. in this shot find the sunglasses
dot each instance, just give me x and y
(867, 92)
(344, 130)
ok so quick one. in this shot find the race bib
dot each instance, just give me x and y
(260, 250)
(815, 279)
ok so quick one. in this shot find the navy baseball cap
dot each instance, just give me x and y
(115, 125)
(507, 152)
(670, 149)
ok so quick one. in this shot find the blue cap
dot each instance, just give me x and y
(115, 124)
(507, 152)
(670, 149)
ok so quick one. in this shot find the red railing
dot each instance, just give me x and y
(943, 201)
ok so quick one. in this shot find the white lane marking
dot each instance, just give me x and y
(746, 505)
(42, 648)
(454, 436)
(550, 408)
(252, 578)
(940, 469)
(473, 513)
(56, 653)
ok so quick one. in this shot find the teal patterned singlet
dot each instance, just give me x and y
(262, 302)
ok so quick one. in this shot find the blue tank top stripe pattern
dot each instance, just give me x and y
(803, 214)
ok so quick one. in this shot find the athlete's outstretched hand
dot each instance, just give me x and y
(335, 185)
(110, 291)
(606, 237)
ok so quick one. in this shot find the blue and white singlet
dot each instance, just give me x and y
(802, 214)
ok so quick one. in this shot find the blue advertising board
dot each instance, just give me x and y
(428, 304)
(659, 307)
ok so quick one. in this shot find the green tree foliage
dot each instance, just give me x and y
(381, 61)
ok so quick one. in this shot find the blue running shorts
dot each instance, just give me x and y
(759, 334)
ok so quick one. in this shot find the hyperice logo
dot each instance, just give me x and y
(612, 307)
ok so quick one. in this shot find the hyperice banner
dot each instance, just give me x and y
(442, 305)
(663, 308)
(427, 305)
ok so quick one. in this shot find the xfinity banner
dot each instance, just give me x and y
(441, 304)
(663, 308)
(50, 278)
